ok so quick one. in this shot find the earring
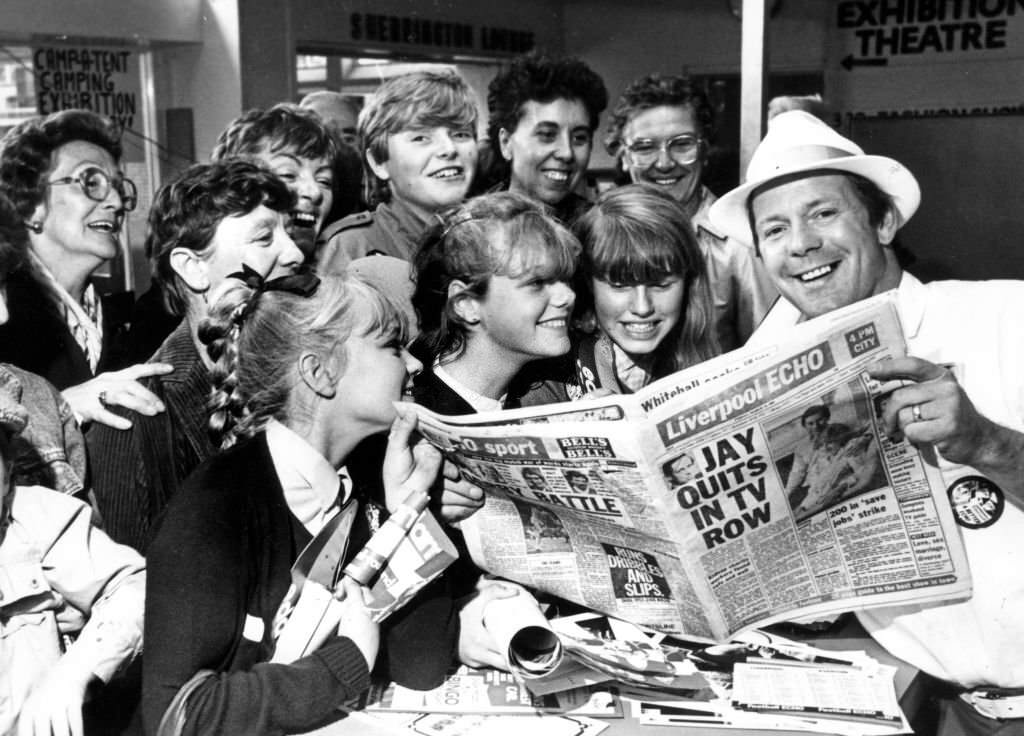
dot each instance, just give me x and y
(36, 227)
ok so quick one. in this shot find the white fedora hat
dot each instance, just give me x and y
(797, 141)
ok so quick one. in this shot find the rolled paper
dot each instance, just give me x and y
(372, 558)
(522, 634)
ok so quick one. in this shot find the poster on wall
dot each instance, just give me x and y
(926, 58)
(107, 81)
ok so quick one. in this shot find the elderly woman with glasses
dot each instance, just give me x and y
(660, 131)
(61, 174)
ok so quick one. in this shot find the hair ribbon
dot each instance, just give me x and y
(303, 283)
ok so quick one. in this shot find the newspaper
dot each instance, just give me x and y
(675, 507)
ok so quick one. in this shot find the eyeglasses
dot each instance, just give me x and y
(683, 149)
(96, 185)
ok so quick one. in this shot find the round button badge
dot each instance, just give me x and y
(977, 502)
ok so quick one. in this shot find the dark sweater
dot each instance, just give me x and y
(135, 472)
(223, 553)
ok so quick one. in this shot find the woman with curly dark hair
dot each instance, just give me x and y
(543, 114)
(61, 174)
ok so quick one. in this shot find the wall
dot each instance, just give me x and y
(698, 37)
(271, 32)
(123, 20)
(204, 77)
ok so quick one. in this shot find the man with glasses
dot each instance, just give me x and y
(660, 131)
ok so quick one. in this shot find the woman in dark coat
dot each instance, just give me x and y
(62, 175)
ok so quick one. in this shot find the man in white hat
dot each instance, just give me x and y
(823, 216)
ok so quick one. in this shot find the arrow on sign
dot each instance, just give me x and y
(849, 62)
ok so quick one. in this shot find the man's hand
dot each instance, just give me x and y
(461, 499)
(944, 415)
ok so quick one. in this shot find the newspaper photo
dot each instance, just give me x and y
(756, 487)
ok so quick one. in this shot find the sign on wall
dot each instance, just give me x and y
(430, 34)
(886, 32)
(930, 58)
(105, 81)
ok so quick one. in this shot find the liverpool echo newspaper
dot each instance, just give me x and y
(756, 487)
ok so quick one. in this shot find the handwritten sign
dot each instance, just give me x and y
(105, 81)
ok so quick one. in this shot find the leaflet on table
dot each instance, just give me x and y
(759, 681)
(486, 691)
(702, 506)
(472, 724)
(817, 690)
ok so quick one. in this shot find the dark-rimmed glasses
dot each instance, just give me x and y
(96, 185)
(683, 149)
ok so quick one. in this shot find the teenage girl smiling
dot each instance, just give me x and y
(493, 294)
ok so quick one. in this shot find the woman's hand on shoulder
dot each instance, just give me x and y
(356, 623)
(91, 400)
(411, 463)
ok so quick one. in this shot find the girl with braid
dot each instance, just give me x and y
(302, 371)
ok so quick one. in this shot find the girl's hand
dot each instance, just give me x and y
(461, 498)
(356, 623)
(55, 704)
(409, 464)
(90, 400)
(477, 647)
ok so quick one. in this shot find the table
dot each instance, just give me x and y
(850, 636)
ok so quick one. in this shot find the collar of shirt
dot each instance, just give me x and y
(309, 482)
(479, 402)
(400, 216)
(631, 374)
(701, 219)
(910, 301)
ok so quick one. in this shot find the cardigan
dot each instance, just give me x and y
(136, 471)
(219, 566)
